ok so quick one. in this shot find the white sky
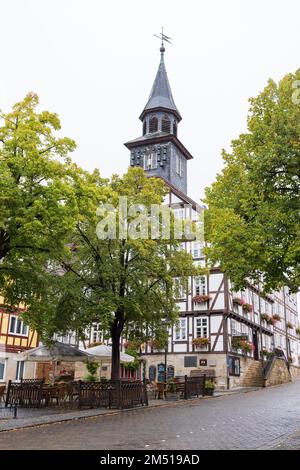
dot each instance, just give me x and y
(93, 62)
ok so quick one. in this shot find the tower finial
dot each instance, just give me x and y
(163, 38)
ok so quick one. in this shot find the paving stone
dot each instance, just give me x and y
(260, 419)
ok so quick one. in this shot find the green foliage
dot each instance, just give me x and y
(126, 285)
(134, 365)
(92, 368)
(38, 203)
(209, 383)
(252, 222)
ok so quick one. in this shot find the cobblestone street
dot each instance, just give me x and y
(263, 419)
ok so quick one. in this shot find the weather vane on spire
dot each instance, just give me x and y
(163, 38)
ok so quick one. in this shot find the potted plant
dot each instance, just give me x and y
(265, 317)
(238, 301)
(298, 330)
(201, 342)
(246, 347)
(158, 344)
(209, 388)
(276, 317)
(200, 299)
(247, 307)
(289, 325)
(266, 353)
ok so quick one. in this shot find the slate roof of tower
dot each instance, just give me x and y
(161, 94)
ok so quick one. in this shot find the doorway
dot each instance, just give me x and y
(255, 345)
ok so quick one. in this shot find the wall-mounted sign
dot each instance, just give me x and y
(203, 362)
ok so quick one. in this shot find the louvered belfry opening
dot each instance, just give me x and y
(153, 124)
(166, 124)
(174, 128)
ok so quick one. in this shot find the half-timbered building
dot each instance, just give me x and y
(15, 337)
(222, 332)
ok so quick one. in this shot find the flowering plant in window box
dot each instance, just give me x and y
(201, 342)
(265, 317)
(242, 344)
(132, 345)
(200, 299)
(289, 325)
(298, 330)
(266, 353)
(276, 317)
(238, 301)
(158, 344)
(247, 307)
(246, 346)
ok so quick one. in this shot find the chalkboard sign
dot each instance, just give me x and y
(190, 361)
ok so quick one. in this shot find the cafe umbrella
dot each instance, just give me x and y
(55, 352)
(103, 353)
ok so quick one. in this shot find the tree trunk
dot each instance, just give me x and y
(115, 359)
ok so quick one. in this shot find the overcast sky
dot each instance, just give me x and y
(93, 62)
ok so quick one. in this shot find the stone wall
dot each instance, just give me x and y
(216, 362)
(295, 372)
(279, 373)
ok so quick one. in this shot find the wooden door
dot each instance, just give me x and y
(43, 370)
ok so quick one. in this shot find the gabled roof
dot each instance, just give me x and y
(161, 95)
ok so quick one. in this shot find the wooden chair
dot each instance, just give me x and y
(160, 390)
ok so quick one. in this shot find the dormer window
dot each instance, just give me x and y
(166, 124)
(153, 124)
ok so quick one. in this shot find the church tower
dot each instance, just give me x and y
(158, 150)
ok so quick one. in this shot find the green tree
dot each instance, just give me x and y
(125, 284)
(38, 205)
(252, 222)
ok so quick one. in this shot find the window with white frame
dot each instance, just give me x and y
(197, 249)
(96, 333)
(202, 327)
(20, 370)
(255, 302)
(200, 285)
(17, 326)
(2, 369)
(150, 160)
(234, 328)
(181, 333)
(179, 288)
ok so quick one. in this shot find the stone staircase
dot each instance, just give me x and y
(254, 375)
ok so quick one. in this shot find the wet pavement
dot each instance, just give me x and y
(262, 419)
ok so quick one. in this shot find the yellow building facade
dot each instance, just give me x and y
(15, 337)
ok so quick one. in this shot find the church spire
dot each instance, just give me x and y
(161, 98)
